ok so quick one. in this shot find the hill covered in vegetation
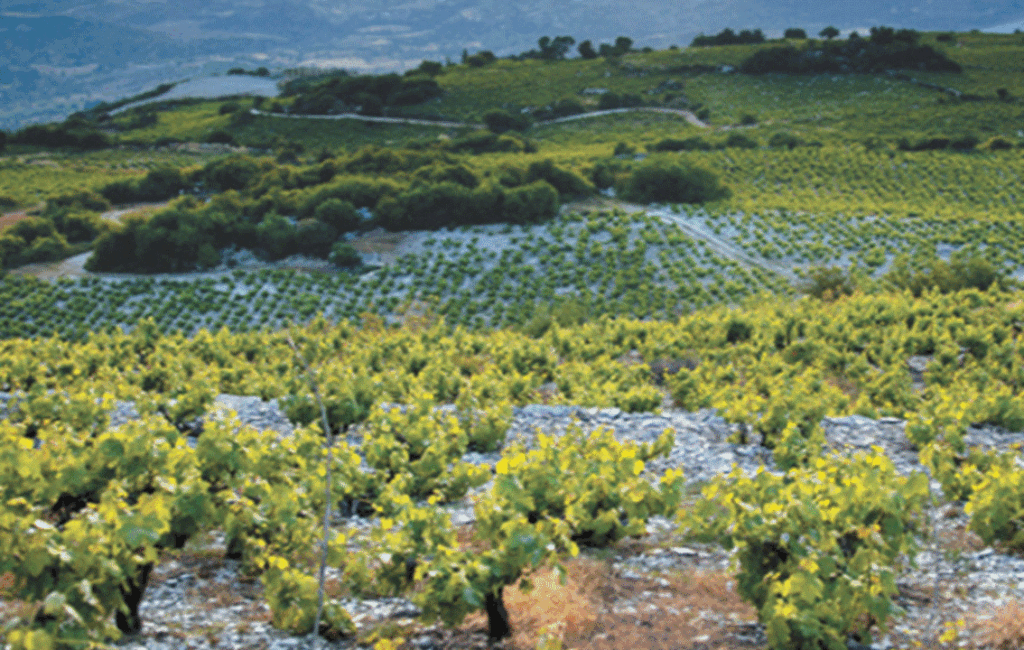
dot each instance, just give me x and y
(780, 232)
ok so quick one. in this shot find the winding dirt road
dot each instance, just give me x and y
(697, 232)
(686, 115)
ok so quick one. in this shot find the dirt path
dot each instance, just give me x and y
(136, 208)
(699, 232)
(686, 115)
(13, 217)
(72, 267)
(370, 118)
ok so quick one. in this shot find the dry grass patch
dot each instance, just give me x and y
(378, 241)
(960, 540)
(1004, 630)
(596, 609)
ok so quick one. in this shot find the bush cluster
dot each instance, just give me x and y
(282, 210)
(665, 181)
(370, 94)
(76, 132)
(157, 185)
(886, 49)
(67, 220)
(964, 142)
(498, 121)
(611, 100)
(728, 37)
(962, 271)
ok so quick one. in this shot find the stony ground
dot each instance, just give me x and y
(658, 589)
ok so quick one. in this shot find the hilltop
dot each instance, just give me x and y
(61, 61)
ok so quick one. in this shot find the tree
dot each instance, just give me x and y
(623, 45)
(555, 50)
(429, 68)
(795, 32)
(370, 104)
(3, 140)
(829, 33)
(481, 58)
(883, 35)
(587, 51)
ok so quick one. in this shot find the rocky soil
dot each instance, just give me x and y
(198, 600)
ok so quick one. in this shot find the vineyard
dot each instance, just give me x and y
(91, 508)
(477, 277)
(815, 249)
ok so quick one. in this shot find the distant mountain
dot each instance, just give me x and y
(60, 55)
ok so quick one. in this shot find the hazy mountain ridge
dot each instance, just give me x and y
(59, 57)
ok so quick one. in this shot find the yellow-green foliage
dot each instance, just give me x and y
(817, 550)
(592, 482)
(996, 504)
(292, 596)
(190, 123)
(787, 363)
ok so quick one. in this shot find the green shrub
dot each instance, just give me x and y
(828, 283)
(817, 550)
(485, 142)
(500, 121)
(360, 191)
(561, 108)
(533, 203)
(996, 505)
(603, 174)
(344, 255)
(340, 215)
(161, 183)
(997, 143)
(439, 173)
(741, 141)
(79, 227)
(567, 182)
(664, 181)
(32, 240)
(231, 173)
(314, 238)
(961, 272)
(624, 149)
(786, 140)
(693, 143)
(427, 207)
(276, 236)
(219, 136)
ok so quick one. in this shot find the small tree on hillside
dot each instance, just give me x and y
(795, 32)
(829, 33)
(587, 51)
(555, 50)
